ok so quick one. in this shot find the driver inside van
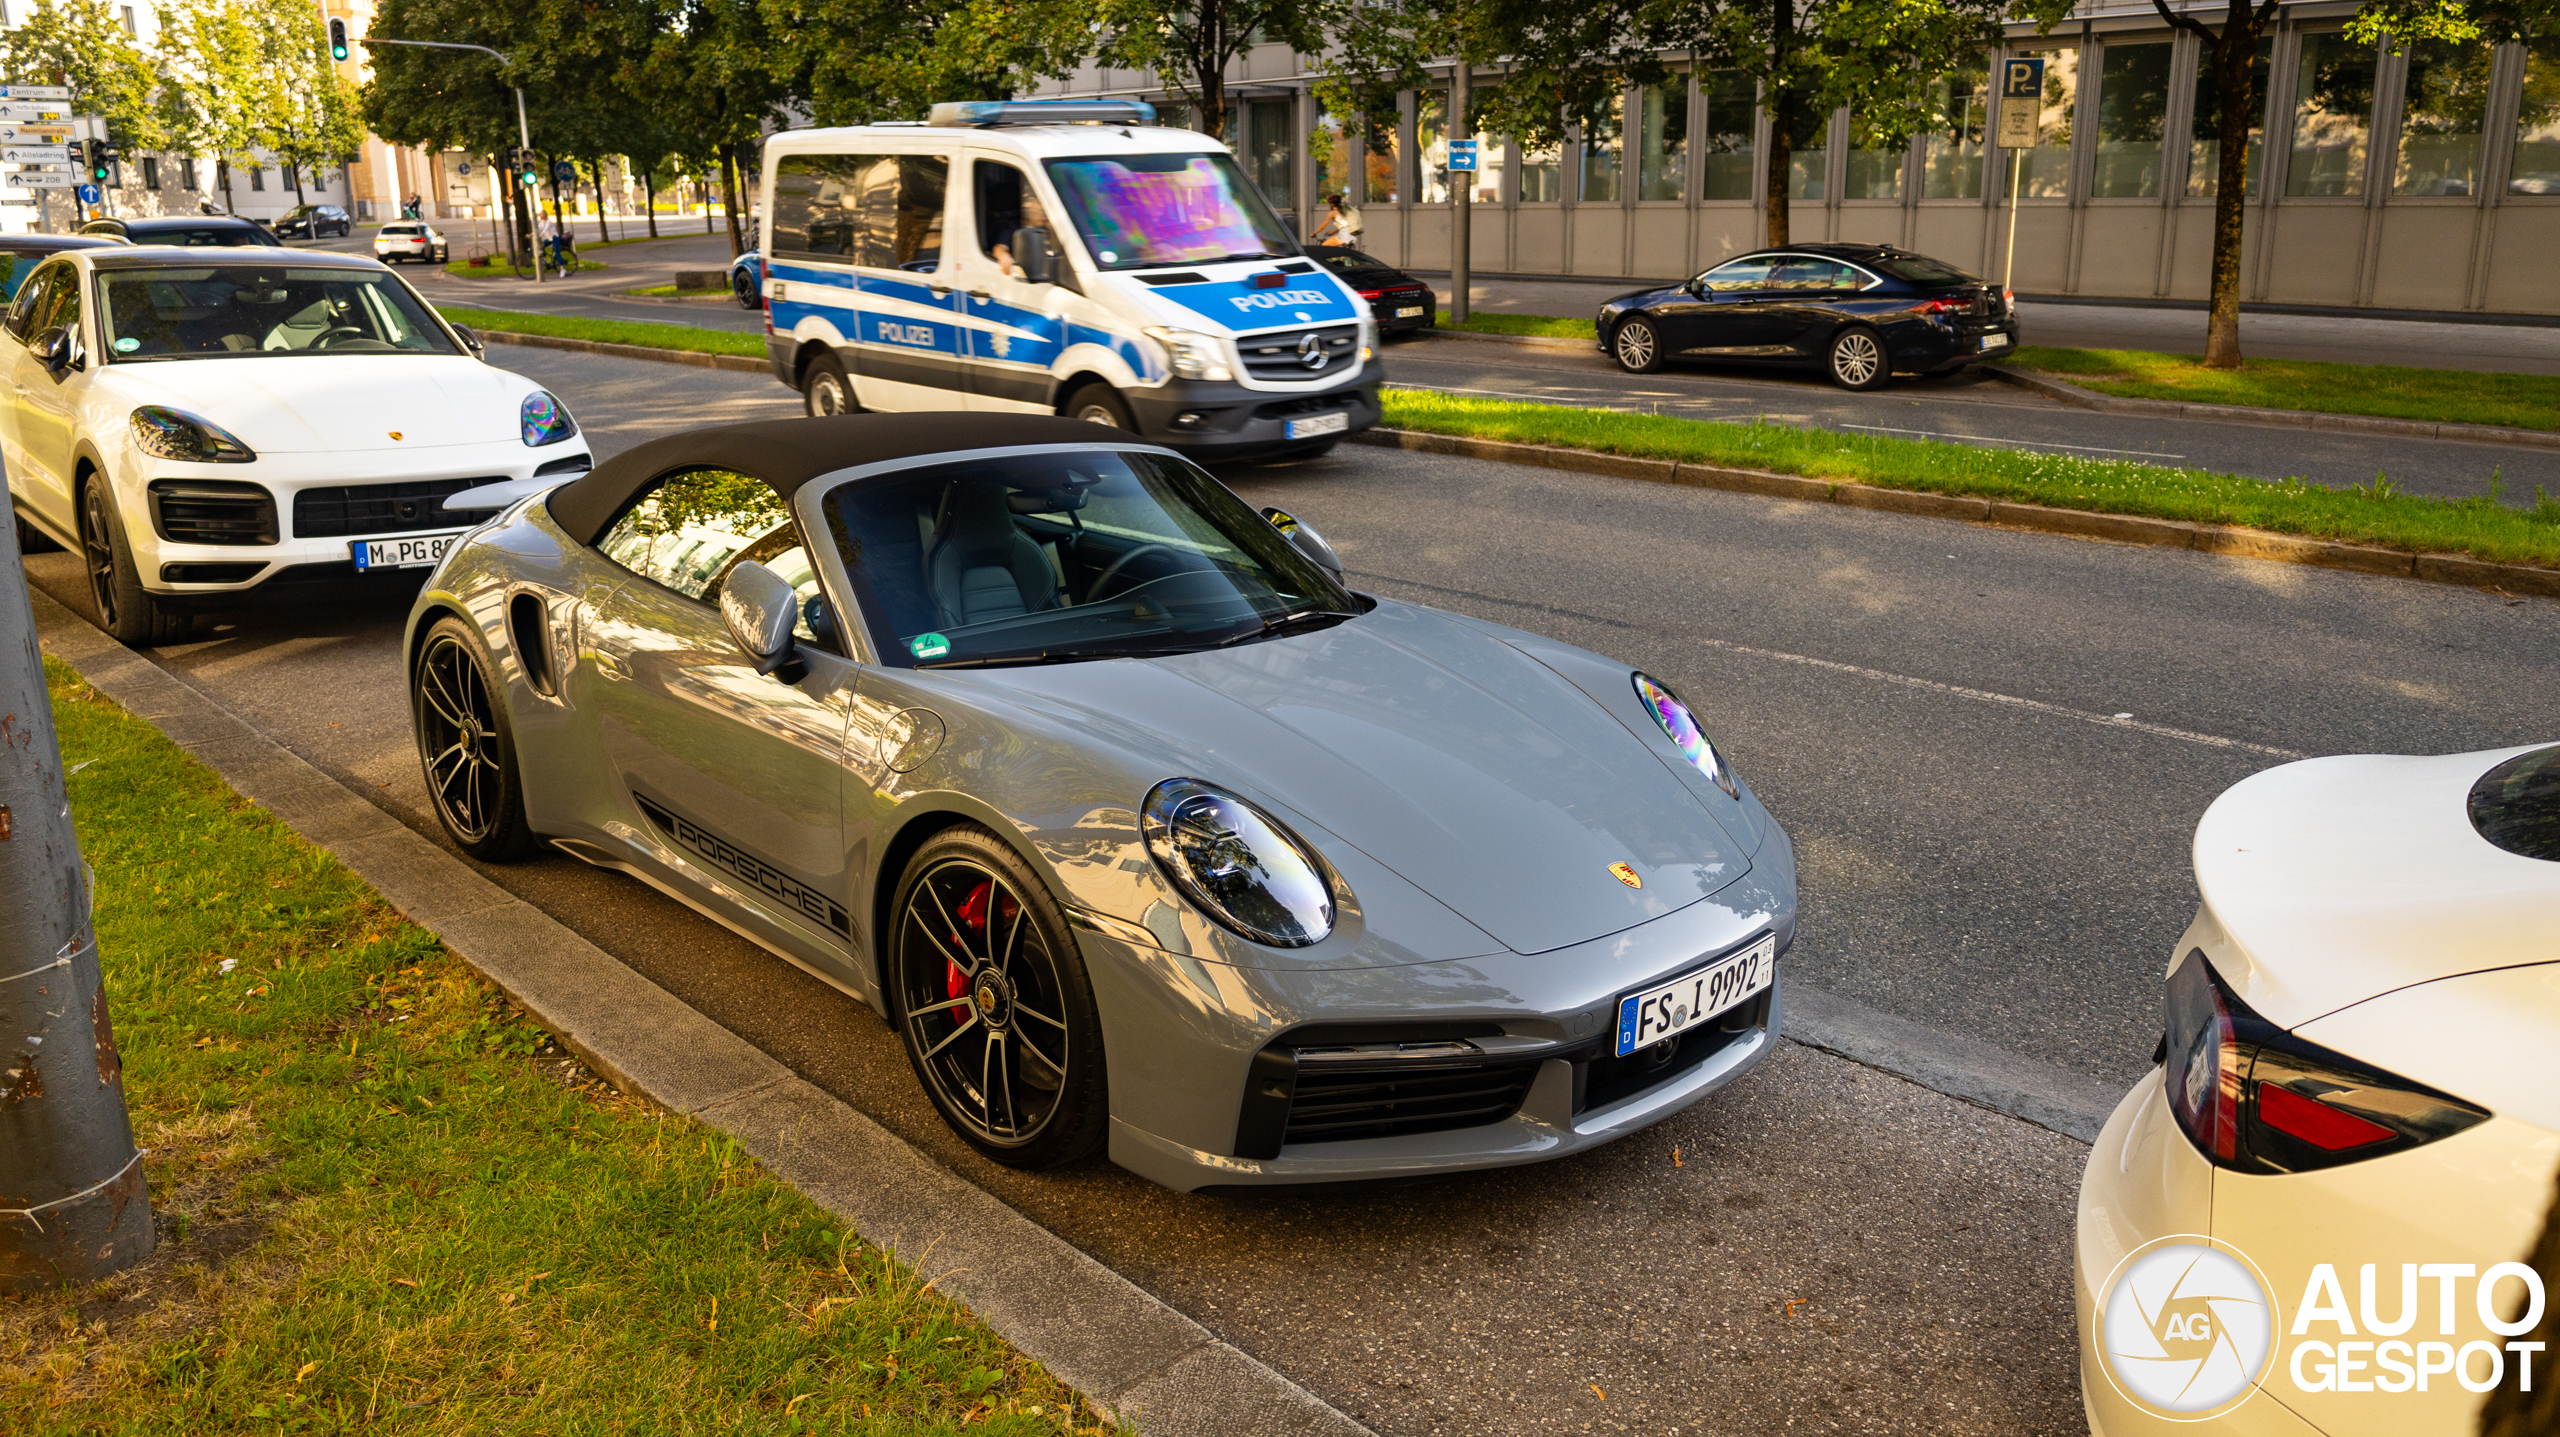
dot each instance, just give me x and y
(1006, 203)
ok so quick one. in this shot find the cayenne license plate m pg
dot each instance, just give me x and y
(1649, 1017)
(1334, 423)
(416, 551)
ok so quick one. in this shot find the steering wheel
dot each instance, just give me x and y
(335, 333)
(1093, 592)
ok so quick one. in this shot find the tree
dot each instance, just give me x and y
(720, 73)
(212, 89)
(79, 44)
(1190, 43)
(456, 99)
(1565, 67)
(865, 60)
(305, 108)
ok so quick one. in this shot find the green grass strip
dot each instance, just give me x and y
(2368, 514)
(387, 1203)
(2436, 396)
(693, 339)
(498, 268)
(1544, 326)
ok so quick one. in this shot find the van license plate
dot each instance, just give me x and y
(1335, 423)
(415, 552)
(1649, 1017)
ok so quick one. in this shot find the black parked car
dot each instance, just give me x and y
(1864, 313)
(1400, 301)
(315, 222)
(185, 230)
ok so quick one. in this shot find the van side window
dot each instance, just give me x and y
(1006, 202)
(878, 211)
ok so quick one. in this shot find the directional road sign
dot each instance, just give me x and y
(89, 194)
(36, 154)
(563, 173)
(35, 92)
(41, 179)
(1462, 154)
(34, 134)
(2021, 101)
(14, 113)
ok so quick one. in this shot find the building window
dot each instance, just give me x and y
(1951, 152)
(2133, 112)
(1542, 174)
(1431, 147)
(126, 15)
(2204, 147)
(1874, 174)
(257, 177)
(2048, 165)
(2332, 104)
(1662, 142)
(1808, 162)
(1730, 100)
(2536, 170)
(1380, 165)
(1270, 157)
(150, 172)
(2440, 121)
(1601, 157)
(187, 173)
(1337, 173)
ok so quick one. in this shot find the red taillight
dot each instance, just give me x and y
(2204, 1064)
(2315, 1122)
(1942, 306)
(764, 292)
(1371, 293)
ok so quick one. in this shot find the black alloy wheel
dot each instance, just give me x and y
(994, 1004)
(466, 746)
(1637, 346)
(1856, 359)
(125, 609)
(743, 285)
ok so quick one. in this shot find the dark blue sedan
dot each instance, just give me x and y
(1863, 313)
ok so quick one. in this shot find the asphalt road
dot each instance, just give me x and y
(2009, 875)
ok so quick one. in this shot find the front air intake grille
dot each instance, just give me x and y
(572, 464)
(1331, 1106)
(1284, 357)
(213, 511)
(343, 511)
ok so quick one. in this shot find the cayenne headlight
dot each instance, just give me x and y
(1238, 864)
(176, 434)
(1192, 356)
(1681, 726)
(546, 420)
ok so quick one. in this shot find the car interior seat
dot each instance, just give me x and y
(981, 566)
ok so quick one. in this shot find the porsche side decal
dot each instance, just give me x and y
(729, 858)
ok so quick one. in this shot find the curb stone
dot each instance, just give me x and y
(2073, 394)
(1101, 1334)
(2511, 579)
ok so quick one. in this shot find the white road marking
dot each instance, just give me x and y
(2038, 443)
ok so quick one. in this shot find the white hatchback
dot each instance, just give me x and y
(199, 425)
(2330, 1212)
(410, 240)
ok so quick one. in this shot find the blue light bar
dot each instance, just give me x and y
(988, 114)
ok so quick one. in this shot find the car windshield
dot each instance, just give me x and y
(1920, 269)
(1031, 558)
(1339, 258)
(1139, 211)
(249, 311)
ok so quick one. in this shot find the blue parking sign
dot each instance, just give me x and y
(1462, 154)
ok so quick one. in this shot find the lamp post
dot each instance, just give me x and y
(524, 131)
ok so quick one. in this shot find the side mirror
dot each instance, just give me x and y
(52, 348)
(760, 609)
(471, 341)
(1031, 251)
(1306, 540)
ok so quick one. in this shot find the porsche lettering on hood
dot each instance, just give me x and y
(1441, 753)
(298, 404)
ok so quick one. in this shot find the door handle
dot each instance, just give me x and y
(980, 295)
(938, 290)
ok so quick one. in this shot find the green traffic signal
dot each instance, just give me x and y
(98, 161)
(337, 39)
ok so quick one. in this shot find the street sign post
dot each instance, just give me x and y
(2021, 111)
(35, 154)
(35, 92)
(44, 180)
(35, 134)
(1462, 155)
(13, 113)
(563, 173)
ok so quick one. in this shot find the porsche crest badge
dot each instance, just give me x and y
(394, 433)
(1625, 875)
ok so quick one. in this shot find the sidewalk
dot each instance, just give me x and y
(2418, 344)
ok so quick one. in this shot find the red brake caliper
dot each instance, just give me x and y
(973, 916)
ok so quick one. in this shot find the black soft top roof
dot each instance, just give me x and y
(787, 453)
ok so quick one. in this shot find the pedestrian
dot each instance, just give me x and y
(413, 210)
(1341, 226)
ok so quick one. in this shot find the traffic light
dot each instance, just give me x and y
(337, 39)
(528, 172)
(99, 158)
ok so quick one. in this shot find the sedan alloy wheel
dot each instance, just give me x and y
(1637, 346)
(1857, 360)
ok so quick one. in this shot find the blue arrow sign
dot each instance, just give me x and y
(89, 194)
(1462, 154)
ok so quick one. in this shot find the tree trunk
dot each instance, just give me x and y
(649, 193)
(729, 197)
(1782, 111)
(2233, 65)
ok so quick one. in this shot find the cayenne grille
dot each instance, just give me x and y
(213, 511)
(349, 509)
(1282, 358)
(1331, 1107)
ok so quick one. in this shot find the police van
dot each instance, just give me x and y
(1056, 257)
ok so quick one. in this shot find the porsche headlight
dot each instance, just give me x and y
(176, 434)
(1237, 864)
(1681, 726)
(546, 420)
(1192, 356)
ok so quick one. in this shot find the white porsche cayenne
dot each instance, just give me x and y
(203, 423)
(2330, 1212)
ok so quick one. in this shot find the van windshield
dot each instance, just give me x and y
(1140, 211)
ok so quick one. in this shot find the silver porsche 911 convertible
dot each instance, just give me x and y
(1104, 790)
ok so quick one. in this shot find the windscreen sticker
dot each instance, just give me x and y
(929, 646)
